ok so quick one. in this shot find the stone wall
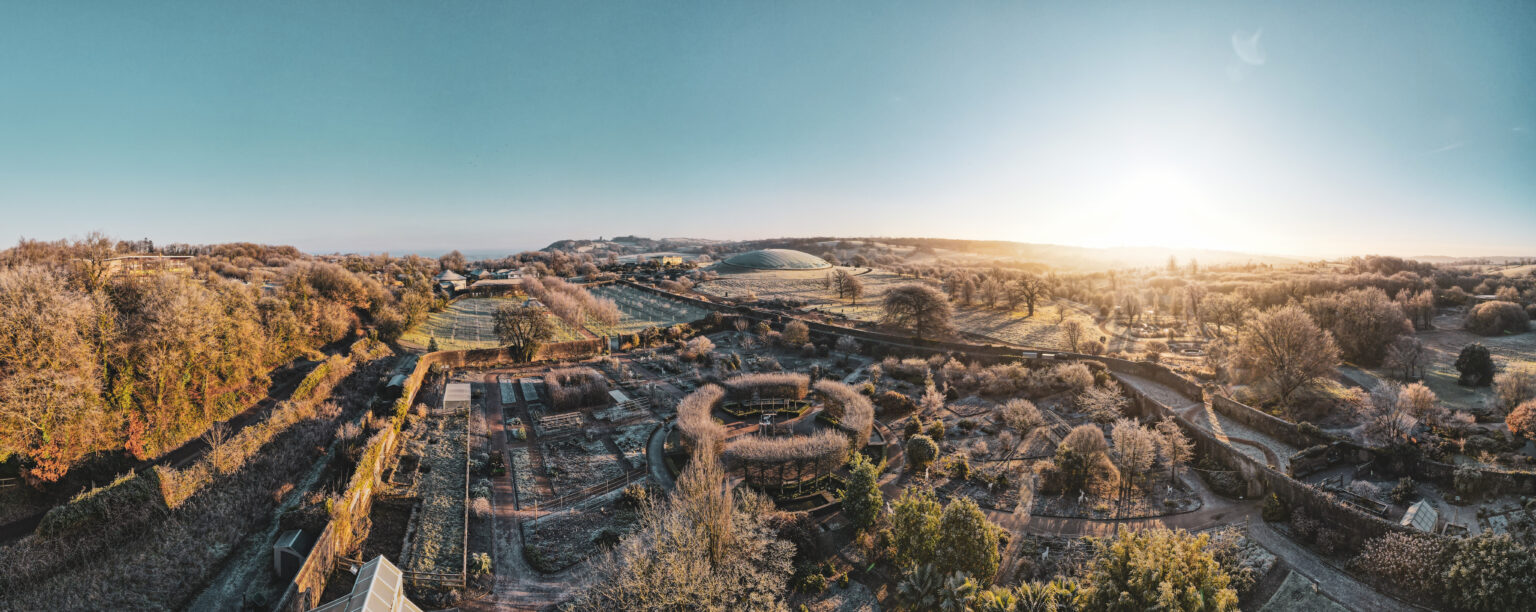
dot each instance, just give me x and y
(1269, 425)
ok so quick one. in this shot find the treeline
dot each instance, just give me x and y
(93, 360)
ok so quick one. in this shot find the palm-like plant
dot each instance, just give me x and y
(958, 593)
(921, 589)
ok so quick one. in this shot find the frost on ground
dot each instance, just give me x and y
(631, 439)
(438, 542)
(560, 540)
(576, 463)
(522, 478)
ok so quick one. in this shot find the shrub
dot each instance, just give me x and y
(797, 333)
(854, 413)
(1074, 377)
(635, 496)
(936, 429)
(1274, 510)
(1404, 492)
(862, 499)
(895, 403)
(1515, 385)
(1408, 560)
(1522, 421)
(576, 387)
(967, 541)
(914, 426)
(1475, 364)
(1494, 318)
(1145, 569)
(921, 451)
(960, 469)
(1021, 415)
(479, 564)
(1364, 488)
(782, 385)
(1490, 573)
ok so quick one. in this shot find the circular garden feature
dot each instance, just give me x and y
(778, 432)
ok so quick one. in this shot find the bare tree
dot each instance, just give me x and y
(1134, 450)
(1173, 445)
(1031, 289)
(522, 329)
(1074, 330)
(1225, 309)
(1419, 401)
(854, 287)
(1286, 348)
(1407, 356)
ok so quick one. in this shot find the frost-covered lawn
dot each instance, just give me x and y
(438, 542)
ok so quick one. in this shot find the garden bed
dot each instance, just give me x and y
(522, 479)
(1156, 501)
(437, 544)
(560, 540)
(631, 440)
(577, 463)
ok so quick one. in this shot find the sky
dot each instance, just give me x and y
(1292, 128)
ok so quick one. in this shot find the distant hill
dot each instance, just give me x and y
(1057, 256)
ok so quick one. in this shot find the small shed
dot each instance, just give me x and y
(456, 396)
(1421, 516)
(618, 396)
(289, 552)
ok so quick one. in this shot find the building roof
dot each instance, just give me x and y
(456, 392)
(618, 396)
(778, 259)
(449, 275)
(497, 282)
(380, 587)
(1421, 516)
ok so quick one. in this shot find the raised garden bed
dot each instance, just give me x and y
(522, 478)
(437, 544)
(577, 463)
(631, 440)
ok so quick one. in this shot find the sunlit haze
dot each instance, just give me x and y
(1300, 128)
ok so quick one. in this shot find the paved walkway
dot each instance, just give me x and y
(1336, 584)
(656, 457)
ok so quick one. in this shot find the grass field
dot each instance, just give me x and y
(1040, 330)
(469, 324)
(465, 324)
(1444, 343)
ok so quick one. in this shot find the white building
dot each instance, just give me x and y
(456, 396)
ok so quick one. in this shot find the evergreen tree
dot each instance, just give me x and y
(862, 500)
(967, 541)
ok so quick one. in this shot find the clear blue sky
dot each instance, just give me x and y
(1312, 128)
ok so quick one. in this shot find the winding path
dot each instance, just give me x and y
(1247, 441)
